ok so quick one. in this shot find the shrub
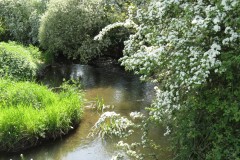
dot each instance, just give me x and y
(208, 126)
(68, 28)
(30, 113)
(190, 50)
(19, 62)
(21, 19)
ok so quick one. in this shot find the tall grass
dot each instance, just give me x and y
(30, 113)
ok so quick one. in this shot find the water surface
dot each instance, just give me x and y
(116, 87)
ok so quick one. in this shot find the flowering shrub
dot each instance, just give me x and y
(21, 19)
(136, 115)
(112, 124)
(189, 48)
(180, 49)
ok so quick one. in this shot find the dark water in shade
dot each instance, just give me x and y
(116, 87)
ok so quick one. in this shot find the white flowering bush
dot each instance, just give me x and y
(21, 19)
(177, 44)
(181, 50)
(190, 49)
(112, 124)
(136, 115)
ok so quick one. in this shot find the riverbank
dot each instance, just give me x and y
(31, 113)
(118, 88)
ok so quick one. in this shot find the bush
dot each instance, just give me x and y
(21, 19)
(30, 113)
(196, 77)
(68, 28)
(19, 62)
(208, 126)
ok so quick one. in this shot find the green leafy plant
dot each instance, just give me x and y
(19, 62)
(68, 28)
(21, 19)
(99, 104)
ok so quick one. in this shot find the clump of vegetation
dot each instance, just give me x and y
(208, 126)
(19, 62)
(196, 77)
(68, 28)
(112, 124)
(30, 113)
(21, 19)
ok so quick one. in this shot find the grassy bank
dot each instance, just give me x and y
(30, 113)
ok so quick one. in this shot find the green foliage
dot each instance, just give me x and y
(19, 62)
(30, 113)
(21, 19)
(68, 28)
(197, 77)
(208, 127)
(99, 104)
(117, 10)
(2, 30)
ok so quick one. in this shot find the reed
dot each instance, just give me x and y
(31, 113)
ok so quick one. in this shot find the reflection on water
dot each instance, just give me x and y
(116, 87)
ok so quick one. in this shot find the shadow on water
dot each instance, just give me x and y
(116, 87)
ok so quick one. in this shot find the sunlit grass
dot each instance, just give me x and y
(30, 113)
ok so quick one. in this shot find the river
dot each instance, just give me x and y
(121, 89)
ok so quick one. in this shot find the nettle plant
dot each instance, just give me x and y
(179, 45)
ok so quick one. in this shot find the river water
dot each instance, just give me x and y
(118, 88)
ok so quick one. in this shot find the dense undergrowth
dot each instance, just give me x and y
(21, 19)
(19, 62)
(31, 113)
(208, 126)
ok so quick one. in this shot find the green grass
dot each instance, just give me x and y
(30, 113)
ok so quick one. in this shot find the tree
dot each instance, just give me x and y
(68, 28)
(21, 19)
(190, 50)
